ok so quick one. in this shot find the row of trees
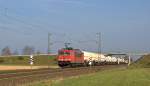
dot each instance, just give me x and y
(27, 50)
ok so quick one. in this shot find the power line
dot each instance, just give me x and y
(6, 11)
(99, 44)
(49, 43)
(67, 45)
(32, 26)
(14, 30)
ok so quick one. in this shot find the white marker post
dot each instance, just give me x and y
(129, 62)
(31, 61)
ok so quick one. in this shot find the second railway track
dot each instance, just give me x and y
(21, 78)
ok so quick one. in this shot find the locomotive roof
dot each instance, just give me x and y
(69, 49)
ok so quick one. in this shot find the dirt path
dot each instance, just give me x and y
(4, 67)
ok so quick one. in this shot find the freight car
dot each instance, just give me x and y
(76, 57)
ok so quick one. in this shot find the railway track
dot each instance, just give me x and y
(22, 78)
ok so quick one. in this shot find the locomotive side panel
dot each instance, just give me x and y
(70, 57)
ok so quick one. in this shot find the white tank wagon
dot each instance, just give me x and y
(114, 59)
(108, 59)
(92, 58)
(122, 60)
(111, 60)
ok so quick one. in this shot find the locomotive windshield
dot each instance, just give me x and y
(63, 53)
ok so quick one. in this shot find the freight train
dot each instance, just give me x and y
(76, 57)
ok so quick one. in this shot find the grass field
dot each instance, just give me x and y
(143, 62)
(42, 60)
(124, 77)
(138, 74)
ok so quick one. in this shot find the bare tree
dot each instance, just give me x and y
(28, 50)
(15, 52)
(38, 52)
(6, 51)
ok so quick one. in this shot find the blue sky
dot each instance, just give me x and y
(124, 24)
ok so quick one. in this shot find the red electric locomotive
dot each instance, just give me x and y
(70, 57)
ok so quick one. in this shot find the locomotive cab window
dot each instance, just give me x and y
(66, 53)
(63, 53)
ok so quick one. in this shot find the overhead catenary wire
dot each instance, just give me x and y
(33, 27)
(99, 44)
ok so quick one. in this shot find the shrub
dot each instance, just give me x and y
(20, 58)
(2, 61)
